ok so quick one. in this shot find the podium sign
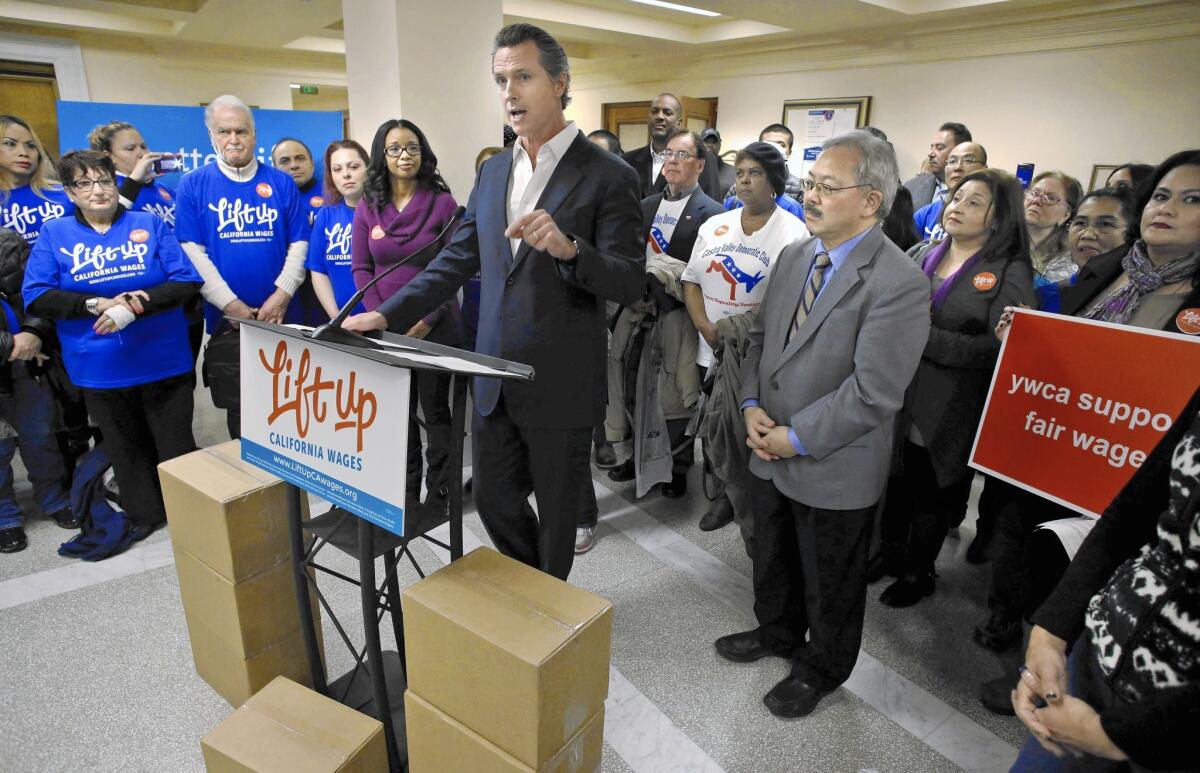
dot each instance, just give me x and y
(326, 421)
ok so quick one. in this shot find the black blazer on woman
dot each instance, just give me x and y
(946, 397)
(1096, 276)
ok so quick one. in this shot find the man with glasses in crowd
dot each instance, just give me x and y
(931, 184)
(962, 160)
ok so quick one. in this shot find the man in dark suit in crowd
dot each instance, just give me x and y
(836, 342)
(666, 118)
(725, 172)
(552, 227)
(670, 220)
(927, 186)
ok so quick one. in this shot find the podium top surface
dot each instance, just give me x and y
(413, 353)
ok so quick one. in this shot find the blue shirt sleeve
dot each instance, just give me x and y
(316, 245)
(796, 444)
(749, 402)
(41, 271)
(176, 265)
(189, 222)
(733, 202)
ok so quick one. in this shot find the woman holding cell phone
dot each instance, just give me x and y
(137, 169)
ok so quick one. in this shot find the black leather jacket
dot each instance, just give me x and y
(14, 253)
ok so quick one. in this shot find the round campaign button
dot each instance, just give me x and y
(721, 230)
(317, 201)
(984, 281)
(376, 232)
(139, 235)
(1188, 321)
(164, 193)
(263, 189)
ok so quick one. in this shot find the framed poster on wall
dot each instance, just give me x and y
(1100, 173)
(813, 121)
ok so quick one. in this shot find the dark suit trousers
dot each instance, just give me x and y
(810, 577)
(512, 461)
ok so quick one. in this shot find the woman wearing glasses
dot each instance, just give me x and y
(1049, 206)
(406, 204)
(116, 282)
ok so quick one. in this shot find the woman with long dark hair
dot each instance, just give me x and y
(980, 268)
(406, 204)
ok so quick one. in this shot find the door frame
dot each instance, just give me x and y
(65, 55)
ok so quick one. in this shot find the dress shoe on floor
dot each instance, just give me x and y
(65, 518)
(999, 633)
(719, 514)
(996, 695)
(585, 539)
(12, 540)
(881, 566)
(792, 698)
(745, 647)
(676, 488)
(141, 532)
(906, 591)
(980, 549)
(606, 455)
(622, 472)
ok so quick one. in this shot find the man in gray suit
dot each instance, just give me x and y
(927, 186)
(836, 342)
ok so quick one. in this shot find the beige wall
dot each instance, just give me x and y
(1065, 110)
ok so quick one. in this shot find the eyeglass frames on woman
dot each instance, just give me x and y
(394, 151)
(1049, 199)
(84, 185)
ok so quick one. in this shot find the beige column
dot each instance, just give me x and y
(428, 62)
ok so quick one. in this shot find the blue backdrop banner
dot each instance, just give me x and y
(180, 130)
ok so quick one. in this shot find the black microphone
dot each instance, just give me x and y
(333, 332)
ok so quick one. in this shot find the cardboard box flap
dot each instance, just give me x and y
(261, 743)
(226, 477)
(521, 610)
(312, 715)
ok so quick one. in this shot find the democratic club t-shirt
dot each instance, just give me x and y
(25, 211)
(137, 253)
(245, 227)
(662, 228)
(329, 251)
(732, 268)
(155, 198)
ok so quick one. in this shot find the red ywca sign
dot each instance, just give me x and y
(1076, 406)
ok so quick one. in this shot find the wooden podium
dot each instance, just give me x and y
(332, 419)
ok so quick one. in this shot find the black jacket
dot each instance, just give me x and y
(14, 253)
(1096, 276)
(946, 397)
(710, 177)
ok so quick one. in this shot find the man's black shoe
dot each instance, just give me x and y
(719, 514)
(606, 455)
(791, 698)
(622, 472)
(141, 532)
(880, 566)
(676, 488)
(999, 633)
(745, 647)
(996, 695)
(908, 590)
(65, 518)
(12, 540)
(980, 549)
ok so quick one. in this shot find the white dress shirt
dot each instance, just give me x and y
(656, 163)
(526, 183)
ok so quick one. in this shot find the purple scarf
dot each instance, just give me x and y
(933, 260)
(1144, 278)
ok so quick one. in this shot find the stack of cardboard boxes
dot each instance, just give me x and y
(507, 670)
(229, 530)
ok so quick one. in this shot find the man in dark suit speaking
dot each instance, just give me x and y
(836, 341)
(552, 226)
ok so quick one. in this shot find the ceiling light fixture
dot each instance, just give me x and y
(677, 7)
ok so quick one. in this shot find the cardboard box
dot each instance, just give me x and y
(518, 657)
(291, 729)
(436, 743)
(236, 678)
(229, 514)
(247, 616)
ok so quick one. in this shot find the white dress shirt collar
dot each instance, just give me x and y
(527, 183)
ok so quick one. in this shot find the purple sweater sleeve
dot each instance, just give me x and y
(362, 265)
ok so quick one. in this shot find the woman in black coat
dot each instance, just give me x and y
(980, 268)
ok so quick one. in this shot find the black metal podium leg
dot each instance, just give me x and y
(316, 663)
(366, 573)
(455, 464)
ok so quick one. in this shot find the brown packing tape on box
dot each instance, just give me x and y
(518, 657)
(436, 743)
(249, 615)
(289, 728)
(237, 679)
(229, 514)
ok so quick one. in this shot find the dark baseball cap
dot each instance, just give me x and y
(710, 133)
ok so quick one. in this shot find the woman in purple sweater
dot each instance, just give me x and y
(406, 204)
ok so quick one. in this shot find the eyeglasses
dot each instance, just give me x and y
(1081, 224)
(1049, 199)
(680, 155)
(821, 189)
(956, 161)
(83, 185)
(394, 151)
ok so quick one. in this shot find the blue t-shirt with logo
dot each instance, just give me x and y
(137, 253)
(25, 211)
(926, 219)
(312, 200)
(155, 198)
(245, 227)
(329, 251)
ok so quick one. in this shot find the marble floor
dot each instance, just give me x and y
(98, 673)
